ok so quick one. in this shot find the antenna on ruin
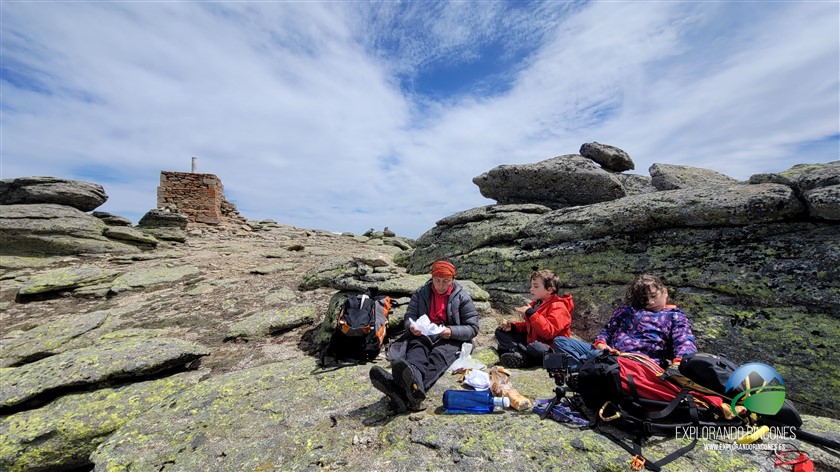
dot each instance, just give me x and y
(194, 164)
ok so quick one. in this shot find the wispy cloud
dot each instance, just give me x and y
(347, 116)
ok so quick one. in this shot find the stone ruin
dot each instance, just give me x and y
(199, 196)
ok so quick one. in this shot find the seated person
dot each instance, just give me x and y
(524, 343)
(646, 325)
(427, 357)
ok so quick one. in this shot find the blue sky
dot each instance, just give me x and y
(353, 115)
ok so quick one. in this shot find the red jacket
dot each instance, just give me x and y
(553, 318)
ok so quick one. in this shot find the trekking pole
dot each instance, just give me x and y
(818, 440)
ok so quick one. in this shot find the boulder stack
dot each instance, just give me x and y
(84, 196)
(46, 216)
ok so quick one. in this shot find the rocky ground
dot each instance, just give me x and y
(253, 400)
(238, 274)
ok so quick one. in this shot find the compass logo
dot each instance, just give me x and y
(763, 390)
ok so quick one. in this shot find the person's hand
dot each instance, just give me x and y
(446, 333)
(522, 309)
(505, 325)
(602, 346)
(415, 331)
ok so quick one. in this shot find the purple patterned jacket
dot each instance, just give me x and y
(663, 335)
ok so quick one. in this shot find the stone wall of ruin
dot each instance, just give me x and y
(199, 196)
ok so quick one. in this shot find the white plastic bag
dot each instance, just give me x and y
(465, 361)
(478, 379)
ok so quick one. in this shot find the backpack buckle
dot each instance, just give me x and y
(637, 463)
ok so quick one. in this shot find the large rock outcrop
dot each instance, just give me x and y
(45, 216)
(556, 183)
(84, 196)
(52, 229)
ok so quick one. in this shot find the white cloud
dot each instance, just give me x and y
(300, 110)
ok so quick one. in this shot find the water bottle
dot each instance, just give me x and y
(472, 401)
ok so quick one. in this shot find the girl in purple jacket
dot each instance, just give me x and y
(646, 325)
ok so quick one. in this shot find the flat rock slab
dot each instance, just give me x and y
(45, 340)
(692, 207)
(143, 278)
(672, 177)
(85, 196)
(281, 295)
(145, 256)
(62, 434)
(51, 229)
(803, 177)
(167, 234)
(272, 268)
(92, 365)
(323, 274)
(111, 219)
(272, 417)
(66, 278)
(26, 262)
(824, 202)
(273, 321)
(131, 235)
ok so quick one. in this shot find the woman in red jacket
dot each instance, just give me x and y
(524, 343)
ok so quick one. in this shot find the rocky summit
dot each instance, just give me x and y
(185, 346)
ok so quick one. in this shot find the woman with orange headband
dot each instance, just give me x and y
(447, 304)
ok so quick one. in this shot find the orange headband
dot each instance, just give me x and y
(443, 269)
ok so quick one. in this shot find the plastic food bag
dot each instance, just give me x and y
(477, 379)
(465, 361)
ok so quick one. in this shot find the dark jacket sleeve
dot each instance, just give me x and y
(416, 306)
(464, 322)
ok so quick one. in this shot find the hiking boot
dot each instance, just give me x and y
(384, 382)
(513, 360)
(407, 378)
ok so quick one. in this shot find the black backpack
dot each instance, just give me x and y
(632, 392)
(621, 390)
(712, 372)
(360, 329)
